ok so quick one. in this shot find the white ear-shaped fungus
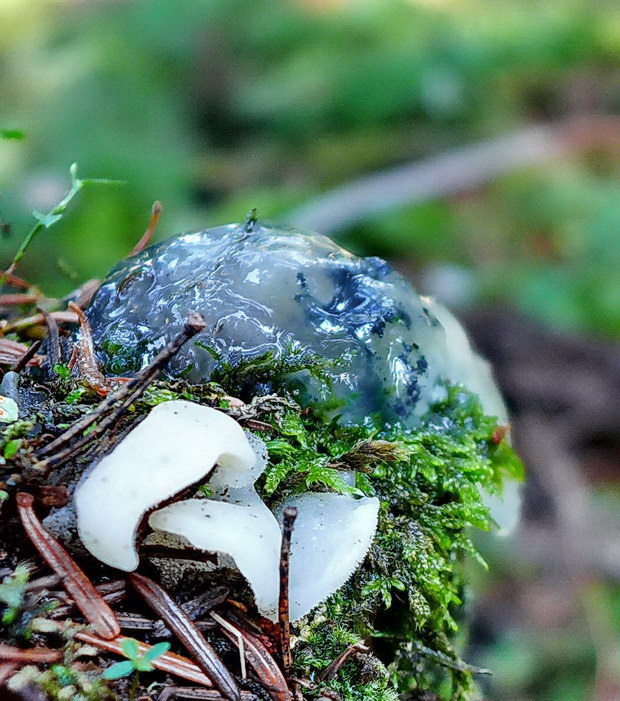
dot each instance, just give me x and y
(249, 534)
(331, 537)
(176, 446)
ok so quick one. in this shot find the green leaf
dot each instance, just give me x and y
(62, 371)
(118, 670)
(130, 648)
(156, 651)
(12, 134)
(11, 448)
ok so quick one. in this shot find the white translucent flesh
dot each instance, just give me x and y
(464, 366)
(331, 538)
(249, 534)
(176, 446)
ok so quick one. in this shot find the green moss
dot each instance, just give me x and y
(430, 482)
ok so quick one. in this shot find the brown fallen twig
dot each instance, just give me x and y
(290, 514)
(189, 692)
(454, 172)
(86, 358)
(53, 346)
(15, 300)
(12, 351)
(81, 589)
(267, 671)
(114, 404)
(150, 229)
(33, 655)
(333, 668)
(111, 593)
(185, 630)
(61, 317)
(27, 357)
(6, 671)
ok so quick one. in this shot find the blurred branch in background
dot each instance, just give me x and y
(455, 172)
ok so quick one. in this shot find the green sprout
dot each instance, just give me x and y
(45, 221)
(12, 592)
(135, 663)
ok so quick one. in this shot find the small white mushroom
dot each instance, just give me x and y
(331, 537)
(249, 534)
(177, 445)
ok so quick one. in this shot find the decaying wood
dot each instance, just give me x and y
(86, 597)
(290, 514)
(185, 630)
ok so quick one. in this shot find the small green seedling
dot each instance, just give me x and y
(12, 592)
(136, 662)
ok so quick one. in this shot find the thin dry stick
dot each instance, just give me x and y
(267, 671)
(127, 394)
(185, 630)
(189, 692)
(86, 358)
(14, 300)
(53, 346)
(332, 669)
(81, 589)
(27, 356)
(6, 670)
(237, 637)
(290, 514)
(34, 655)
(150, 229)
(66, 317)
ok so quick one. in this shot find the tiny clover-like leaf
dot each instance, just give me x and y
(156, 651)
(130, 648)
(118, 670)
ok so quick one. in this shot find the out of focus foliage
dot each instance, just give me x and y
(214, 107)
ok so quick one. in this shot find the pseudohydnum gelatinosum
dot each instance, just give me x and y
(278, 303)
(266, 290)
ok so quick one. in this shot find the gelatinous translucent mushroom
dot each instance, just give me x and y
(281, 291)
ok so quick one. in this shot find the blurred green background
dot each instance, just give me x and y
(218, 106)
